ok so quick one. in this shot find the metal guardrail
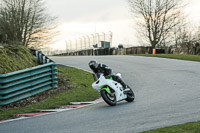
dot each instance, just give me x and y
(21, 84)
(42, 59)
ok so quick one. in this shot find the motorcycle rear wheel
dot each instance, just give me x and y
(108, 98)
(130, 95)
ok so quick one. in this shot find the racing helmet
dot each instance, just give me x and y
(93, 64)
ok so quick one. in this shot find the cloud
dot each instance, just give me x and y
(123, 34)
(193, 11)
(81, 17)
(88, 10)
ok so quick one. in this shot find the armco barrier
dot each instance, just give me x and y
(28, 82)
(42, 59)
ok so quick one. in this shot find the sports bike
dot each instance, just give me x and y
(112, 91)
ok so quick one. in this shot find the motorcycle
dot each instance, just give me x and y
(112, 91)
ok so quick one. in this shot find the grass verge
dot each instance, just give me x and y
(173, 56)
(193, 127)
(15, 58)
(81, 90)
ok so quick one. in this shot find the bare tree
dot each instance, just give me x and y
(157, 18)
(179, 30)
(25, 21)
(188, 38)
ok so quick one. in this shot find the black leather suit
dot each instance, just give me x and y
(107, 72)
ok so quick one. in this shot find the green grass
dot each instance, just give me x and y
(81, 91)
(15, 58)
(193, 127)
(173, 56)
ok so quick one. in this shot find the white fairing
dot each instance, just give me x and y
(117, 87)
(119, 74)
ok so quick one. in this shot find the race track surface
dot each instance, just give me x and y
(167, 93)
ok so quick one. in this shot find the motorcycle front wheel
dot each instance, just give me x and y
(130, 95)
(110, 99)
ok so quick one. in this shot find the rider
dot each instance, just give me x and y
(99, 69)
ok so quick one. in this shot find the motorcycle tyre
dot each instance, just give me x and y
(130, 96)
(107, 99)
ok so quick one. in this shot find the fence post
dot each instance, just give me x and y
(154, 51)
(44, 60)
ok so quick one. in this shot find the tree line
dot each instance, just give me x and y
(25, 22)
(160, 23)
(163, 23)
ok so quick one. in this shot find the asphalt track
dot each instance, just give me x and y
(167, 93)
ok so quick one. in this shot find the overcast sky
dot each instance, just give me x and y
(78, 18)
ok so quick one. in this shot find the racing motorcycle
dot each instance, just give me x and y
(112, 91)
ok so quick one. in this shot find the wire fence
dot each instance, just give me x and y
(87, 42)
(53, 52)
(82, 43)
